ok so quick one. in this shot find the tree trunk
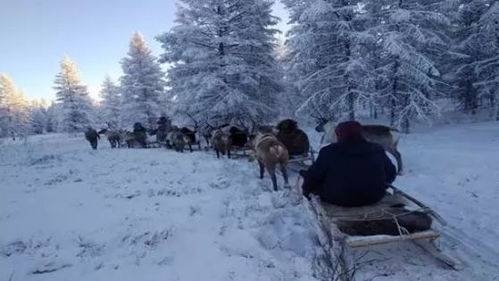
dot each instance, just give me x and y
(392, 112)
(393, 102)
(351, 105)
(406, 126)
(351, 97)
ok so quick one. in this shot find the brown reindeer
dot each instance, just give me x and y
(177, 140)
(269, 153)
(295, 139)
(385, 136)
(221, 143)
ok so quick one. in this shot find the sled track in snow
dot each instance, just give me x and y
(471, 247)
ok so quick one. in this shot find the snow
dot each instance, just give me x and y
(70, 213)
(143, 214)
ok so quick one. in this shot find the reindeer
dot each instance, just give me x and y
(221, 143)
(177, 140)
(206, 131)
(295, 139)
(164, 126)
(385, 136)
(114, 137)
(269, 153)
(190, 137)
(92, 137)
(129, 138)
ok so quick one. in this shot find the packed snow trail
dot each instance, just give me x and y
(69, 213)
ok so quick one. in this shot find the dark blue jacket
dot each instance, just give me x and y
(351, 173)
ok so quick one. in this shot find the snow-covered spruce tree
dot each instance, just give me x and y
(329, 47)
(487, 69)
(292, 97)
(39, 116)
(111, 103)
(472, 40)
(6, 85)
(478, 40)
(14, 109)
(53, 116)
(411, 34)
(75, 103)
(141, 85)
(223, 64)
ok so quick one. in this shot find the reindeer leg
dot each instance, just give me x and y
(190, 147)
(274, 180)
(228, 153)
(398, 157)
(262, 169)
(218, 153)
(271, 171)
(284, 172)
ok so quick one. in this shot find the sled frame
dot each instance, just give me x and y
(339, 244)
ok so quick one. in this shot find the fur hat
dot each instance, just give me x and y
(350, 130)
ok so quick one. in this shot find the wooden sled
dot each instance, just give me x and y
(333, 220)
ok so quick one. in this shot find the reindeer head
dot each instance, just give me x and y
(287, 126)
(320, 126)
(321, 121)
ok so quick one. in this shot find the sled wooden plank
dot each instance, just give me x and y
(427, 209)
(365, 241)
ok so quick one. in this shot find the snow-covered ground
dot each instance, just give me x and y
(70, 213)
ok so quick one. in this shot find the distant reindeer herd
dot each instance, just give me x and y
(273, 147)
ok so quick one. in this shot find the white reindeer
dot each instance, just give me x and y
(385, 136)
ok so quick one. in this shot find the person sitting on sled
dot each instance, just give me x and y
(351, 172)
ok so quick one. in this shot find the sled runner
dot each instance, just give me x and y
(396, 218)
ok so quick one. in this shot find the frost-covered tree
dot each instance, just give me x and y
(39, 116)
(14, 109)
(75, 103)
(412, 33)
(329, 46)
(468, 42)
(378, 53)
(111, 103)
(141, 85)
(223, 63)
(478, 42)
(6, 86)
(291, 96)
(53, 114)
(487, 69)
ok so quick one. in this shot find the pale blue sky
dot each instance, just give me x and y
(36, 34)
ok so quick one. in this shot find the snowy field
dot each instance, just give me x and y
(70, 213)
